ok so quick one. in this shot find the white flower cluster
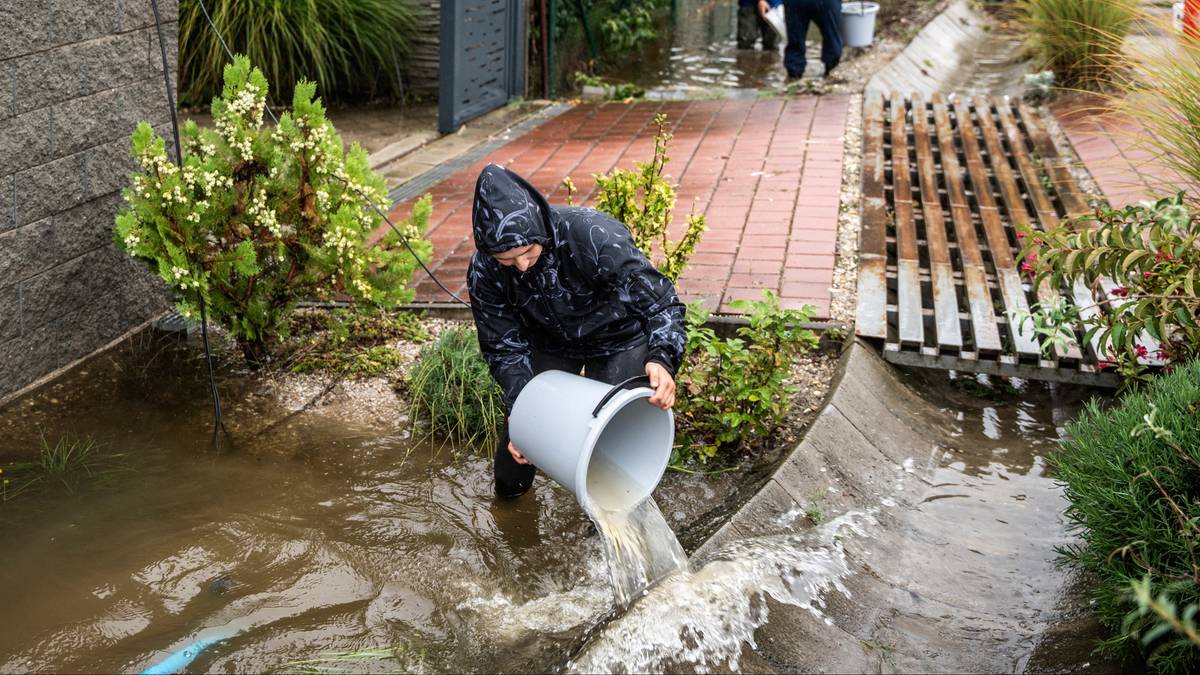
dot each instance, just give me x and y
(132, 239)
(248, 105)
(310, 139)
(264, 216)
(183, 279)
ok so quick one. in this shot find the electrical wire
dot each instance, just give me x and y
(218, 424)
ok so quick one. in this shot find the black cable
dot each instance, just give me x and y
(404, 240)
(216, 31)
(212, 381)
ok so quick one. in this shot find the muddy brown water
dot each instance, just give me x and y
(325, 536)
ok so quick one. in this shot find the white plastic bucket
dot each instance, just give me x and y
(774, 18)
(858, 23)
(1177, 15)
(607, 445)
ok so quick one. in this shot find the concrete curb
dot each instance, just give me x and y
(932, 56)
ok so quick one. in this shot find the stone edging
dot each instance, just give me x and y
(932, 56)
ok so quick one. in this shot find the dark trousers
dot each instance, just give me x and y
(827, 15)
(512, 479)
(750, 26)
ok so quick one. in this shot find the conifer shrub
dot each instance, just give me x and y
(1132, 478)
(257, 219)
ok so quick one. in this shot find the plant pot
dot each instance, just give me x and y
(858, 23)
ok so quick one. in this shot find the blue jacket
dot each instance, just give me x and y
(592, 293)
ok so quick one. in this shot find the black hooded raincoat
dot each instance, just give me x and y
(591, 294)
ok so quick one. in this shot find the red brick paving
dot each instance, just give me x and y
(1107, 145)
(766, 173)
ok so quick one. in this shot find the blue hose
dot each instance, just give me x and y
(180, 659)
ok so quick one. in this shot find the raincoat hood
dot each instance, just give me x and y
(508, 212)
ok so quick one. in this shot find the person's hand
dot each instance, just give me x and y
(763, 7)
(663, 385)
(516, 454)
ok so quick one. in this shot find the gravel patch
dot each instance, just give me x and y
(845, 268)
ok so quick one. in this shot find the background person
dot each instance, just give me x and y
(564, 288)
(751, 25)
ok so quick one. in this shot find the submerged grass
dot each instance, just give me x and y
(67, 463)
(453, 392)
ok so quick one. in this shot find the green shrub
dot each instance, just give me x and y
(1151, 253)
(258, 219)
(1080, 40)
(1163, 95)
(352, 49)
(644, 200)
(453, 392)
(1132, 479)
(734, 390)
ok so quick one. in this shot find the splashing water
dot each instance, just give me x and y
(704, 618)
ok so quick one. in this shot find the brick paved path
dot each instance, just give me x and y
(766, 173)
(1107, 145)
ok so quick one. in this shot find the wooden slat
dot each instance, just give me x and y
(1002, 254)
(945, 302)
(1046, 212)
(908, 262)
(983, 317)
(1068, 191)
(1011, 194)
(871, 314)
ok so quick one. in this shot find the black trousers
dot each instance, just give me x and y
(827, 15)
(514, 480)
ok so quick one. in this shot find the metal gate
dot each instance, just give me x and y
(482, 58)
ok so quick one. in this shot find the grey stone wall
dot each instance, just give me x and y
(75, 77)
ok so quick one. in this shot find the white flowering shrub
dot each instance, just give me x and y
(257, 219)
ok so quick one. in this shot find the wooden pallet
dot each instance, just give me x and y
(940, 280)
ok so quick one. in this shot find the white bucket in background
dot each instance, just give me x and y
(1178, 16)
(858, 23)
(613, 459)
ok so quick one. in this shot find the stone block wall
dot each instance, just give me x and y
(75, 78)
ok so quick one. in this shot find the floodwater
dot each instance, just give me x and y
(325, 542)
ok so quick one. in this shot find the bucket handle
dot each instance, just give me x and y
(616, 388)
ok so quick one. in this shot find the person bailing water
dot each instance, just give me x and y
(564, 288)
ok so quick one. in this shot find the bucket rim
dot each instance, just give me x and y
(859, 8)
(599, 423)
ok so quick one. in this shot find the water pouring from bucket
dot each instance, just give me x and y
(606, 444)
(609, 446)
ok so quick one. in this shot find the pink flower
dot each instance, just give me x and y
(1020, 235)
(1027, 268)
(1120, 291)
(1147, 274)
(1102, 364)
(1162, 353)
(1141, 351)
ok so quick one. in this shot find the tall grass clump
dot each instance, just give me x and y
(352, 49)
(1132, 477)
(1080, 40)
(453, 392)
(1162, 92)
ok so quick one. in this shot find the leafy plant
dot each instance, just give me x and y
(256, 219)
(628, 28)
(1151, 254)
(352, 49)
(643, 200)
(1162, 92)
(454, 393)
(354, 342)
(735, 389)
(1079, 40)
(1131, 474)
(1164, 611)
